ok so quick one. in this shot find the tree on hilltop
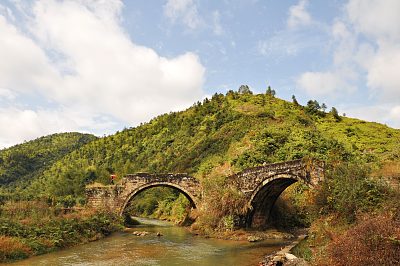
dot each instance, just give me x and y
(244, 89)
(270, 92)
(294, 100)
(335, 114)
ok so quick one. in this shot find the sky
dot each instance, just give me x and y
(99, 66)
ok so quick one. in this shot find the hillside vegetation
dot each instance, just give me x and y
(25, 162)
(221, 136)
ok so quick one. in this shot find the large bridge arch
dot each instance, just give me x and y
(265, 195)
(192, 199)
(262, 185)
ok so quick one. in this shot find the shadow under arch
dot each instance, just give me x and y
(264, 197)
(143, 188)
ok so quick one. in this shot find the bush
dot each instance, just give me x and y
(374, 241)
(12, 248)
(221, 205)
(348, 189)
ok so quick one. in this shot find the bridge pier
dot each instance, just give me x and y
(104, 197)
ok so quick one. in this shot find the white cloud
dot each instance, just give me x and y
(7, 95)
(24, 124)
(81, 59)
(394, 116)
(383, 72)
(366, 43)
(23, 65)
(324, 83)
(217, 28)
(340, 79)
(379, 56)
(287, 43)
(279, 45)
(380, 113)
(365, 48)
(375, 18)
(6, 12)
(298, 15)
(184, 10)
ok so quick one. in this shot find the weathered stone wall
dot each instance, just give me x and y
(104, 197)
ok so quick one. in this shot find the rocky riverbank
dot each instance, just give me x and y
(284, 256)
(244, 235)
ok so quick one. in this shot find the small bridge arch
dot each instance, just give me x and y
(117, 197)
(192, 199)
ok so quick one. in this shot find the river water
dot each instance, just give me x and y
(176, 246)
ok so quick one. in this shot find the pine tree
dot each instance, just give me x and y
(294, 100)
(270, 92)
(335, 114)
(244, 89)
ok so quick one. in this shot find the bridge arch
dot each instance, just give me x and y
(192, 199)
(265, 195)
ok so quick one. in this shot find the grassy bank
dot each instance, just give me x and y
(29, 228)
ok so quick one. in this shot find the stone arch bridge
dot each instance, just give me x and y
(261, 186)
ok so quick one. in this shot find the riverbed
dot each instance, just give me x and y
(175, 246)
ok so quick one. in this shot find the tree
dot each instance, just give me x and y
(335, 114)
(270, 92)
(244, 89)
(294, 100)
(323, 107)
(313, 107)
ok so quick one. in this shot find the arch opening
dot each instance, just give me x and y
(264, 199)
(160, 201)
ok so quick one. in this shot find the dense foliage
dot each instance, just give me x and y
(25, 162)
(235, 131)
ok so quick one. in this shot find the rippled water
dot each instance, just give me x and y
(175, 247)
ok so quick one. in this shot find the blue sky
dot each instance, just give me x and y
(99, 66)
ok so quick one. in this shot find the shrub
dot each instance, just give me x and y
(348, 189)
(12, 248)
(221, 205)
(373, 241)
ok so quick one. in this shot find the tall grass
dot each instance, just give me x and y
(31, 228)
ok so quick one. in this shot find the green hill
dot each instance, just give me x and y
(220, 136)
(25, 162)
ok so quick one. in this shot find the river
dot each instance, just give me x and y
(176, 246)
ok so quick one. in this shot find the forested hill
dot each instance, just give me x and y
(25, 162)
(220, 136)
